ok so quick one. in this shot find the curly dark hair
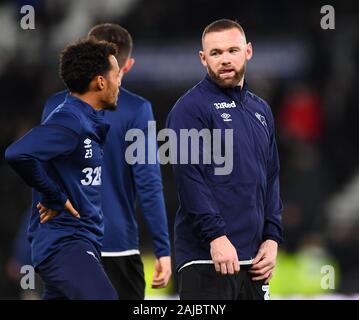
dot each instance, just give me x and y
(84, 60)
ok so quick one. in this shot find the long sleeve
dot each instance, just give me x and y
(148, 184)
(27, 156)
(196, 198)
(273, 206)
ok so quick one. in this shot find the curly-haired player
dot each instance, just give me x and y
(61, 159)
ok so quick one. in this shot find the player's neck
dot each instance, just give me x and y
(240, 83)
(90, 99)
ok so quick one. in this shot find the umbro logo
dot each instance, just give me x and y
(87, 142)
(226, 117)
(88, 148)
(261, 118)
(225, 105)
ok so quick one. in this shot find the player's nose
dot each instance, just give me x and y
(225, 59)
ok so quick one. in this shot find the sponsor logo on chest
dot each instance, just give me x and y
(225, 105)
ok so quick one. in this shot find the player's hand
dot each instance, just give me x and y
(162, 272)
(264, 262)
(224, 256)
(71, 209)
(47, 213)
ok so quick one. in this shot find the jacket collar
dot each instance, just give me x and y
(100, 125)
(236, 93)
(85, 107)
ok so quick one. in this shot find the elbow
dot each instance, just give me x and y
(12, 155)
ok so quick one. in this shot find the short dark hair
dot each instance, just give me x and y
(116, 34)
(82, 61)
(220, 25)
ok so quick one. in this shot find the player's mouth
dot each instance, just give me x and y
(226, 73)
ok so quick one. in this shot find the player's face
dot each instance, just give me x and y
(113, 81)
(225, 55)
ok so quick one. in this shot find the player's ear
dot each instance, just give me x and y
(203, 58)
(128, 65)
(100, 82)
(249, 51)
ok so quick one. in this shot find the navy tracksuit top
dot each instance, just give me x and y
(61, 159)
(244, 205)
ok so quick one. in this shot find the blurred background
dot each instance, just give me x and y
(307, 75)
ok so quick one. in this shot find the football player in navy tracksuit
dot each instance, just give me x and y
(227, 222)
(122, 182)
(62, 160)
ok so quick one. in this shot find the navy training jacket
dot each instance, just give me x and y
(61, 159)
(244, 205)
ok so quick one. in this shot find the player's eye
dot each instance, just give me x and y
(233, 50)
(214, 53)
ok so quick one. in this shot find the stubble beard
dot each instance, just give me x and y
(228, 83)
(110, 105)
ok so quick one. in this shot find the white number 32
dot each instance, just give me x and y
(93, 176)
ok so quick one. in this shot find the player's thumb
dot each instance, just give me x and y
(71, 209)
(258, 257)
